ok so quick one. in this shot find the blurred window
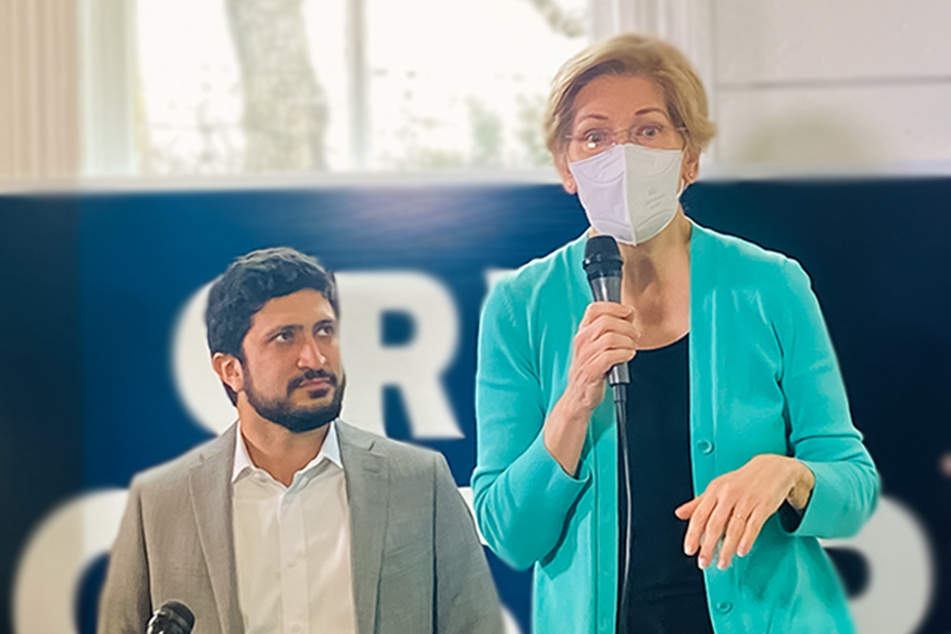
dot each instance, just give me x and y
(298, 86)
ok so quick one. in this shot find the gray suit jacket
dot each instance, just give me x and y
(416, 560)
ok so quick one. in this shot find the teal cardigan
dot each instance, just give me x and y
(763, 379)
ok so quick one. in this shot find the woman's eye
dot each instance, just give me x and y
(651, 131)
(326, 331)
(283, 337)
(595, 138)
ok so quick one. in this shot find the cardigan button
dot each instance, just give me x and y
(724, 606)
(705, 446)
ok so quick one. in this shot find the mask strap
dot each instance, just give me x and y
(683, 187)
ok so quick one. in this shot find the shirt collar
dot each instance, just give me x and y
(330, 450)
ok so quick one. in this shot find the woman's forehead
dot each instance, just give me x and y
(609, 97)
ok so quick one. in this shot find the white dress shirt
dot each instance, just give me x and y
(292, 545)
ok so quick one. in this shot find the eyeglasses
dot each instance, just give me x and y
(652, 133)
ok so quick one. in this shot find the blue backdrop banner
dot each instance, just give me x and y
(104, 370)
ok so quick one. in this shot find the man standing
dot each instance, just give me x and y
(293, 521)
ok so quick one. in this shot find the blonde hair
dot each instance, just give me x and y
(637, 55)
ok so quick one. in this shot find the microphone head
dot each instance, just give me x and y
(173, 617)
(602, 258)
(181, 610)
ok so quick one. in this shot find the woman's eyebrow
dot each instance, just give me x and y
(601, 117)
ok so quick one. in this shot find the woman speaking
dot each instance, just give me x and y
(740, 445)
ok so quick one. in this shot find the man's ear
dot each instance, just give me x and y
(229, 370)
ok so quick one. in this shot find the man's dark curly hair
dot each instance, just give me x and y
(249, 283)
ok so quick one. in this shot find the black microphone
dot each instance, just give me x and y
(173, 617)
(603, 264)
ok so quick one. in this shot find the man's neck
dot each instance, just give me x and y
(277, 450)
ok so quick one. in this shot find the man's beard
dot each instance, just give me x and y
(298, 419)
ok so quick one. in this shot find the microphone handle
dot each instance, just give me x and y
(619, 374)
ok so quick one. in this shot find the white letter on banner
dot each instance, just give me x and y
(51, 567)
(198, 386)
(416, 367)
(492, 276)
(901, 570)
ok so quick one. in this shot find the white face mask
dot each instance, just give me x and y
(629, 192)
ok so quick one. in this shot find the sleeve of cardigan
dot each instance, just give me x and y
(821, 433)
(522, 496)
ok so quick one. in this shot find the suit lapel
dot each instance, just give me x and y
(367, 475)
(210, 485)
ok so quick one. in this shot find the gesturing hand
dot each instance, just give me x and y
(735, 506)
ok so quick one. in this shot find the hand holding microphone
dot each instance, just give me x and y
(606, 338)
(604, 266)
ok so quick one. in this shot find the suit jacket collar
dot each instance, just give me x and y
(209, 483)
(367, 475)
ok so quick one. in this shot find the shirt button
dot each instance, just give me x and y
(724, 606)
(705, 446)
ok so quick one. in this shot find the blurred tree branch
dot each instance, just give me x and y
(285, 109)
(560, 20)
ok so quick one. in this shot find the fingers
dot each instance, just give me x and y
(722, 524)
(730, 513)
(685, 510)
(595, 367)
(612, 309)
(713, 532)
(606, 337)
(607, 317)
(735, 528)
(609, 341)
(697, 525)
(753, 526)
(606, 323)
(592, 359)
(725, 527)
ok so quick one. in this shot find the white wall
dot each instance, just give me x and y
(818, 85)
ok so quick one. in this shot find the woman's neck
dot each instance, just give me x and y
(659, 263)
(656, 283)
